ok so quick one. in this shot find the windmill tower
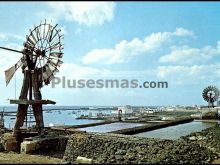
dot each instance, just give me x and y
(39, 62)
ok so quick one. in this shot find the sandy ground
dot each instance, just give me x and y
(216, 161)
(15, 158)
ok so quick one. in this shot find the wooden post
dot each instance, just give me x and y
(37, 108)
(22, 109)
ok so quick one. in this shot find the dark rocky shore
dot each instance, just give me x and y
(196, 148)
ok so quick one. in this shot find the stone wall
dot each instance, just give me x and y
(112, 148)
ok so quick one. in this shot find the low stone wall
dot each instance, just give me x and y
(111, 148)
(209, 138)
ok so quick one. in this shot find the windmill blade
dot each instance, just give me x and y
(51, 35)
(9, 73)
(48, 71)
(55, 62)
(57, 54)
(45, 76)
(59, 63)
(51, 77)
(30, 41)
(33, 37)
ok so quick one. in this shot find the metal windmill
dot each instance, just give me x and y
(210, 94)
(39, 62)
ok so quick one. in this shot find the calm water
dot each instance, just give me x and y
(110, 127)
(59, 116)
(175, 132)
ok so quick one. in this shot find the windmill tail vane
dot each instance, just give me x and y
(9, 73)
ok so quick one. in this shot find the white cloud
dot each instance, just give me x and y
(6, 37)
(76, 71)
(88, 13)
(127, 50)
(188, 55)
(2, 37)
(183, 32)
(195, 74)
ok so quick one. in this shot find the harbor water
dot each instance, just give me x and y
(57, 115)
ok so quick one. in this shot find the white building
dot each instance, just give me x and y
(170, 109)
(125, 110)
(197, 115)
(147, 110)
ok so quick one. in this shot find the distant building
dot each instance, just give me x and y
(170, 109)
(125, 110)
(150, 111)
(142, 110)
(196, 116)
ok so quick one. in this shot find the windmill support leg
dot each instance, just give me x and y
(21, 113)
(37, 109)
(22, 109)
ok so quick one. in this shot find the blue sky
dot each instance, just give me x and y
(177, 42)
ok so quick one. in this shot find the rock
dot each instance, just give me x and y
(29, 147)
(112, 160)
(63, 162)
(83, 160)
(9, 142)
(192, 138)
(119, 157)
(120, 152)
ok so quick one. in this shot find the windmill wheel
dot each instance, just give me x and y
(44, 48)
(210, 91)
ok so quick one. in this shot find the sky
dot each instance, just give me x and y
(176, 42)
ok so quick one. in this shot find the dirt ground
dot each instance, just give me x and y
(216, 161)
(15, 158)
